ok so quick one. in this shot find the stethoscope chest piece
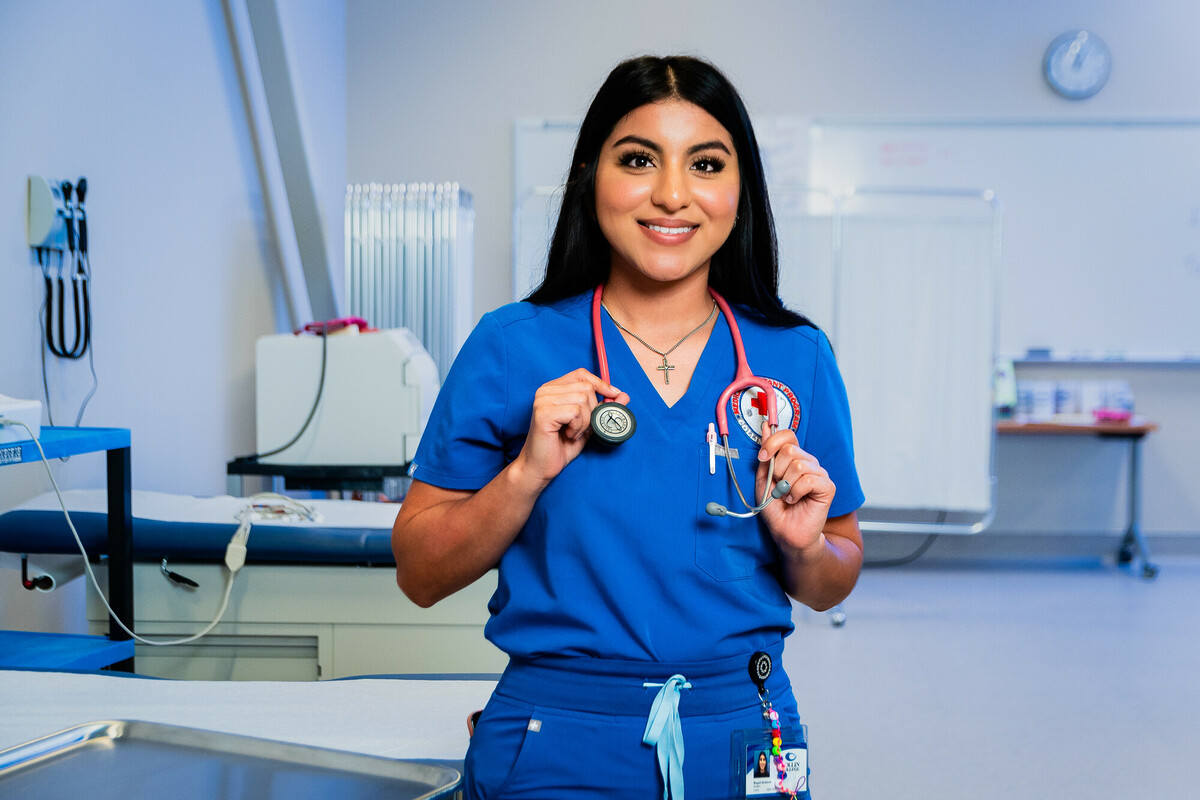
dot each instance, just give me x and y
(613, 422)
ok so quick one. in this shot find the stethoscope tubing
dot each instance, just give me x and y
(598, 332)
(743, 379)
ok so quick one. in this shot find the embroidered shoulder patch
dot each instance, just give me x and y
(750, 409)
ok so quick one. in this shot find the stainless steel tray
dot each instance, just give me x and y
(119, 760)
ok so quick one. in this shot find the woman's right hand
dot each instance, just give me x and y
(561, 422)
(446, 539)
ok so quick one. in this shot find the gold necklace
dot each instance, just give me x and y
(665, 368)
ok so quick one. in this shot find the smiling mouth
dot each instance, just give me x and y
(670, 231)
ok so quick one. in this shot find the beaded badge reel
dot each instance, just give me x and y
(760, 670)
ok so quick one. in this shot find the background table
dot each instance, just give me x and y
(1133, 543)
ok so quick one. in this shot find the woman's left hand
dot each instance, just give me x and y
(797, 519)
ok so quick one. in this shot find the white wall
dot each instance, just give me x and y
(433, 91)
(143, 99)
(433, 88)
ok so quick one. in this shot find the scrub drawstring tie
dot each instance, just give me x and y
(665, 733)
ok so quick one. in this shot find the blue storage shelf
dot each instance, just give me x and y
(31, 650)
(60, 441)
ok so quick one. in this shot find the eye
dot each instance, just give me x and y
(637, 159)
(709, 164)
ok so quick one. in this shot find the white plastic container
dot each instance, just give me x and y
(1043, 401)
(379, 390)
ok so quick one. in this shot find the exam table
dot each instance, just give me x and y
(317, 599)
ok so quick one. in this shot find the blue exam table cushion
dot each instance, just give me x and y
(182, 527)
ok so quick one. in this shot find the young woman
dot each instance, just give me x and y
(762, 768)
(628, 609)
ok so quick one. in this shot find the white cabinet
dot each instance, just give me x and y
(304, 622)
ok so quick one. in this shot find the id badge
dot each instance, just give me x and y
(756, 771)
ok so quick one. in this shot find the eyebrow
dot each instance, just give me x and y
(715, 144)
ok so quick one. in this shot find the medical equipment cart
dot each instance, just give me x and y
(59, 442)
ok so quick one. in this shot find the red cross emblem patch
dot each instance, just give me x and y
(750, 409)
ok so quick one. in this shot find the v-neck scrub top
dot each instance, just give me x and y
(619, 558)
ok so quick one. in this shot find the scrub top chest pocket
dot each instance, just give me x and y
(728, 548)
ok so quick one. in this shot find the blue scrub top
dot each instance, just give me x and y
(619, 558)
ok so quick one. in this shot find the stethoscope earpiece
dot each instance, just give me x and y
(613, 422)
(718, 510)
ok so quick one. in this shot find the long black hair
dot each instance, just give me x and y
(746, 267)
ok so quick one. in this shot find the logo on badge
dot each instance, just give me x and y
(750, 409)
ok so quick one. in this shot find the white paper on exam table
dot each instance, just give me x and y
(390, 717)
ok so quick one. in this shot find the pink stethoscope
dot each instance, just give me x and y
(613, 422)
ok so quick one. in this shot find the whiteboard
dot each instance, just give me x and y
(1101, 221)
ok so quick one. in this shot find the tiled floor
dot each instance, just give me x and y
(1057, 680)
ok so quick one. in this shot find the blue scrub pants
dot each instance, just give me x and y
(567, 728)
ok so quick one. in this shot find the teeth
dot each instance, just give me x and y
(661, 229)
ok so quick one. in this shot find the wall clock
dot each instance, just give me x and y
(1077, 64)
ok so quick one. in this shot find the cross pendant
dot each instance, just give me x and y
(666, 370)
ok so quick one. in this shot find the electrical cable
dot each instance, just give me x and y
(42, 321)
(281, 507)
(73, 211)
(908, 559)
(91, 392)
(83, 265)
(323, 332)
(91, 353)
(914, 555)
(235, 556)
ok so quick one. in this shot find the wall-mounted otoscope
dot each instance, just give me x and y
(56, 225)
